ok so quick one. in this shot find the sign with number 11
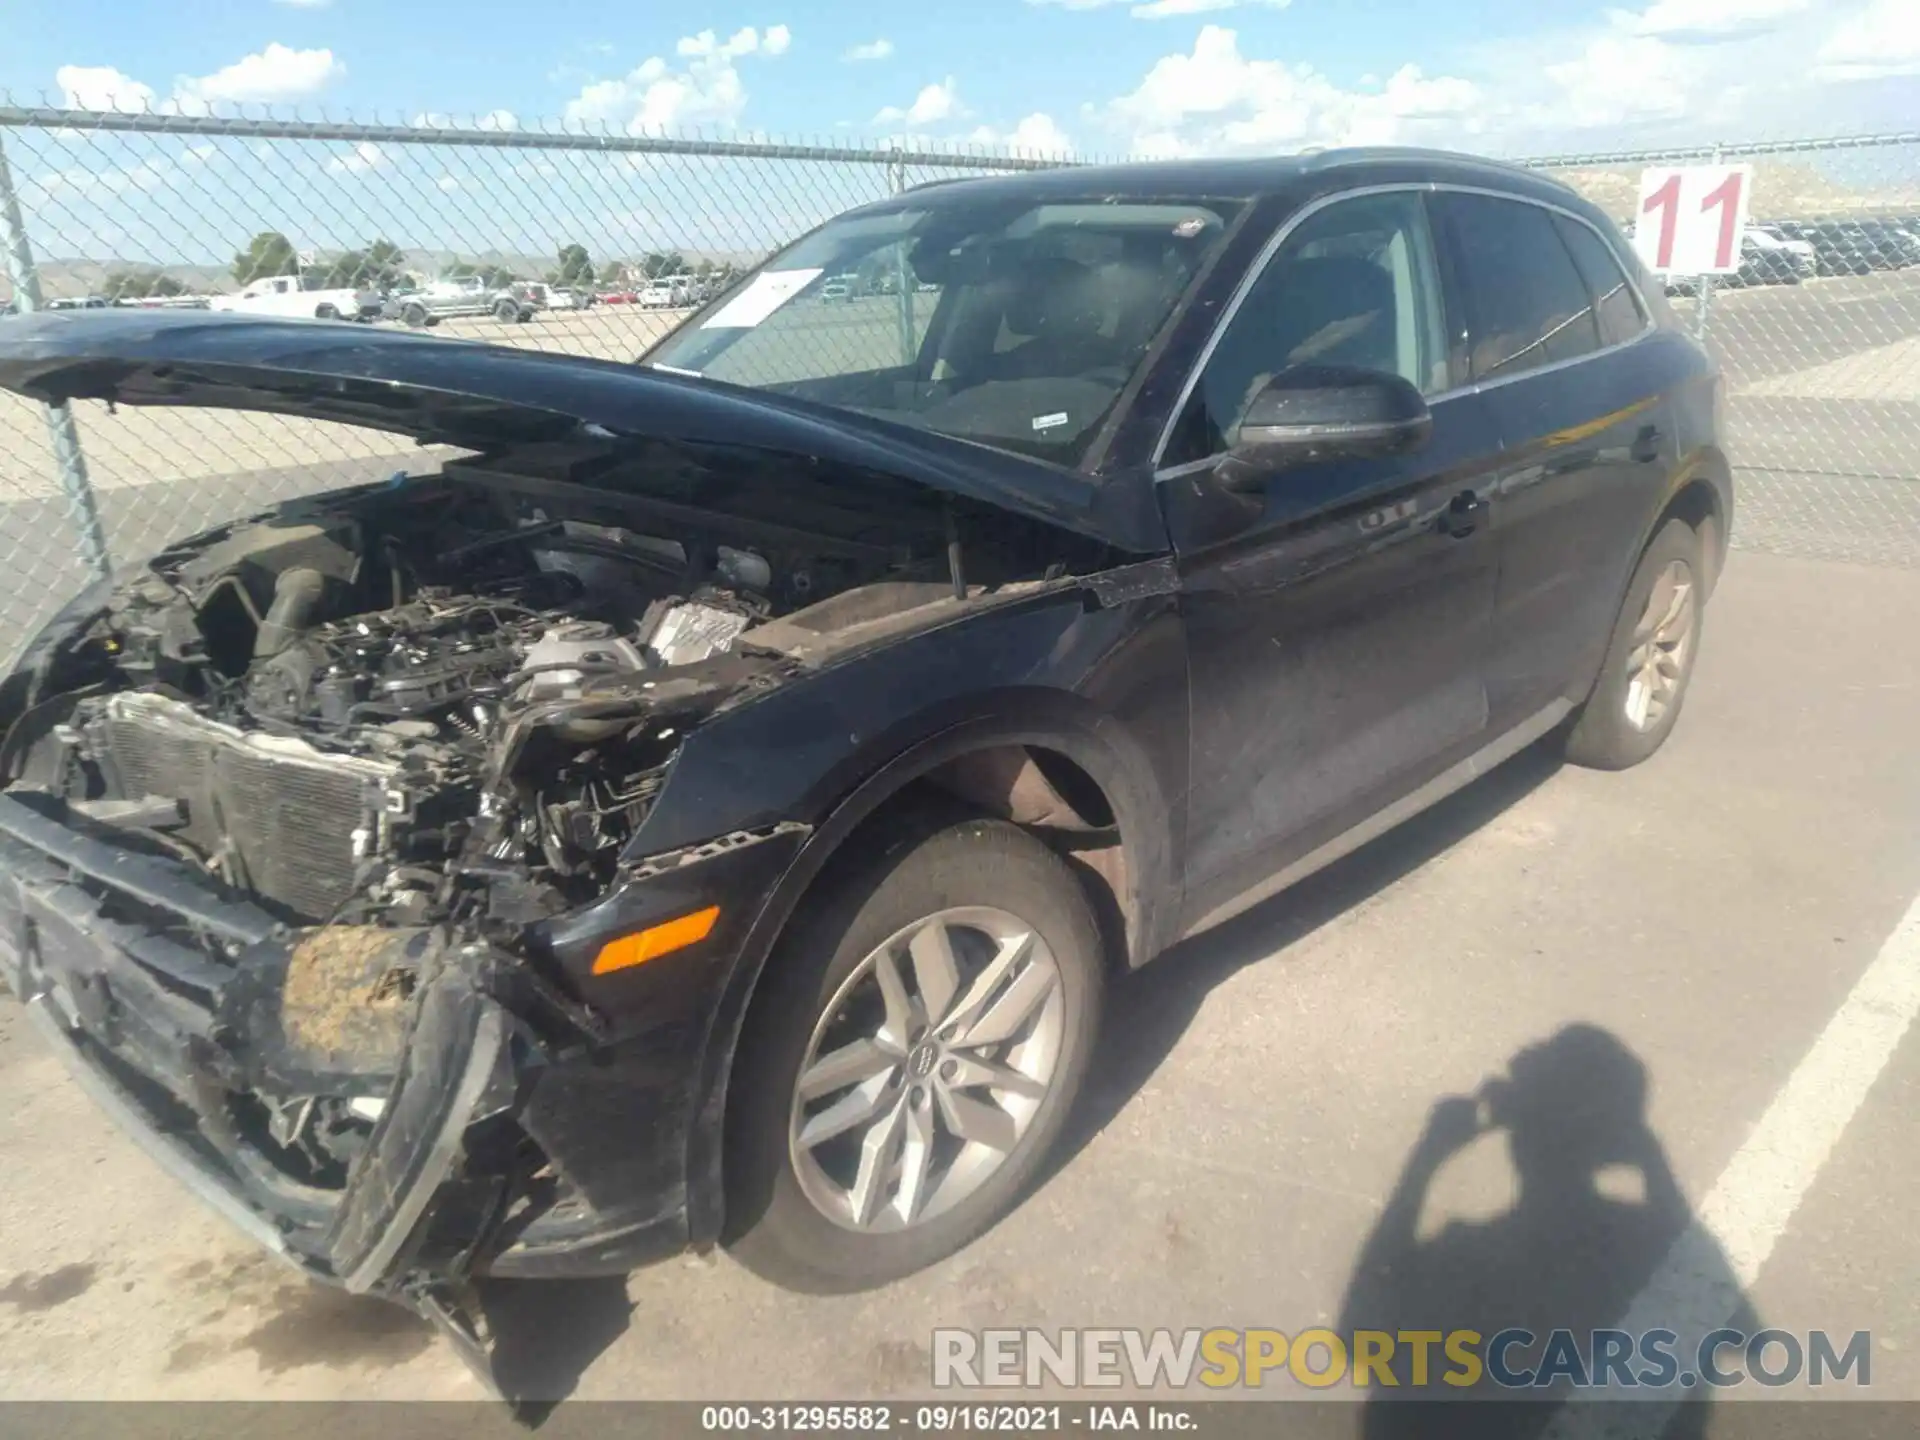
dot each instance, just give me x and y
(1691, 219)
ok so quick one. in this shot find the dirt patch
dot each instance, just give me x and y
(315, 1325)
(347, 988)
(43, 1292)
(194, 1354)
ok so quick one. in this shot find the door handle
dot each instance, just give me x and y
(1463, 515)
(1646, 445)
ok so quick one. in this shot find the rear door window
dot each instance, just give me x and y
(1615, 303)
(1527, 304)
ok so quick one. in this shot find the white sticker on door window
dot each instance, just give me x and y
(764, 294)
(1050, 422)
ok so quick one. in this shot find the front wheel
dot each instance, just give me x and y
(506, 312)
(1643, 680)
(910, 1058)
(416, 316)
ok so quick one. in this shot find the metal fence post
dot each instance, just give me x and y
(1706, 290)
(82, 511)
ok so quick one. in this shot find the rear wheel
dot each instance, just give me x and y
(1643, 680)
(326, 312)
(416, 316)
(911, 1057)
(506, 311)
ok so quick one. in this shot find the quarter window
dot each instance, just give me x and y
(1529, 306)
(1355, 284)
(1615, 303)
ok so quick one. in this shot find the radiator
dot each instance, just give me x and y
(293, 820)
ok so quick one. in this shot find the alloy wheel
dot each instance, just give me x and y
(1657, 657)
(927, 1069)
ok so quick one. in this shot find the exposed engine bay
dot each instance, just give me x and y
(459, 694)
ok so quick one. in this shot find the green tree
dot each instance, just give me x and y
(614, 272)
(268, 253)
(140, 284)
(662, 262)
(375, 268)
(576, 266)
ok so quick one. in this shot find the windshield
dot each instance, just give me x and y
(1013, 324)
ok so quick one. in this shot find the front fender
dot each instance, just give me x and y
(1106, 687)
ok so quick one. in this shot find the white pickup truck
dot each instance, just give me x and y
(283, 295)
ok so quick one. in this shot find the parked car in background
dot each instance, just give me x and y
(449, 299)
(286, 296)
(1858, 246)
(166, 302)
(1768, 257)
(568, 297)
(665, 293)
(618, 295)
(713, 811)
(79, 302)
(534, 293)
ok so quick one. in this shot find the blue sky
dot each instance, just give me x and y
(1099, 76)
(1090, 77)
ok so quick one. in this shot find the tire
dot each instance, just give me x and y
(506, 312)
(820, 983)
(416, 316)
(326, 312)
(1626, 717)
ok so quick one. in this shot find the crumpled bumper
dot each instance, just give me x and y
(122, 957)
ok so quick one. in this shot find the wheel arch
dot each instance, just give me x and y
(1041, 760)
(1703, 499)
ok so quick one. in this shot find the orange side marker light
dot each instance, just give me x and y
(655, 941)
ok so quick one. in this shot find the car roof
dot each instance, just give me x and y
(1240, 179)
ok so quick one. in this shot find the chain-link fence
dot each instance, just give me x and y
(595, 245)
(1819, 337)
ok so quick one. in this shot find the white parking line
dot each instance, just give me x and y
(1699, 1284)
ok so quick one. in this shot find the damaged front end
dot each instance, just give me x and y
(311, 833)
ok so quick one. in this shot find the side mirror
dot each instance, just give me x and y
(1313, 413)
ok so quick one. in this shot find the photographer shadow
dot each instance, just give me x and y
(1595, 1212)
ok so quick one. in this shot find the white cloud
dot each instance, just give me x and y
(1170, 9)
(275, 75)
(879, 49)
(448, 182)
(363, 156)
(655, 96)
(1164, 9)
(1707, 19)
(304, 4)
(148, 175)
(1619, 78)
(1218, 100)
(1037, 134)
(1879, 41)
(935, 103)
(101, 87)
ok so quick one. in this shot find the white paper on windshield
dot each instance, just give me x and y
(764, 294)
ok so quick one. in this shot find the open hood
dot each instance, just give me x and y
(481, 397)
